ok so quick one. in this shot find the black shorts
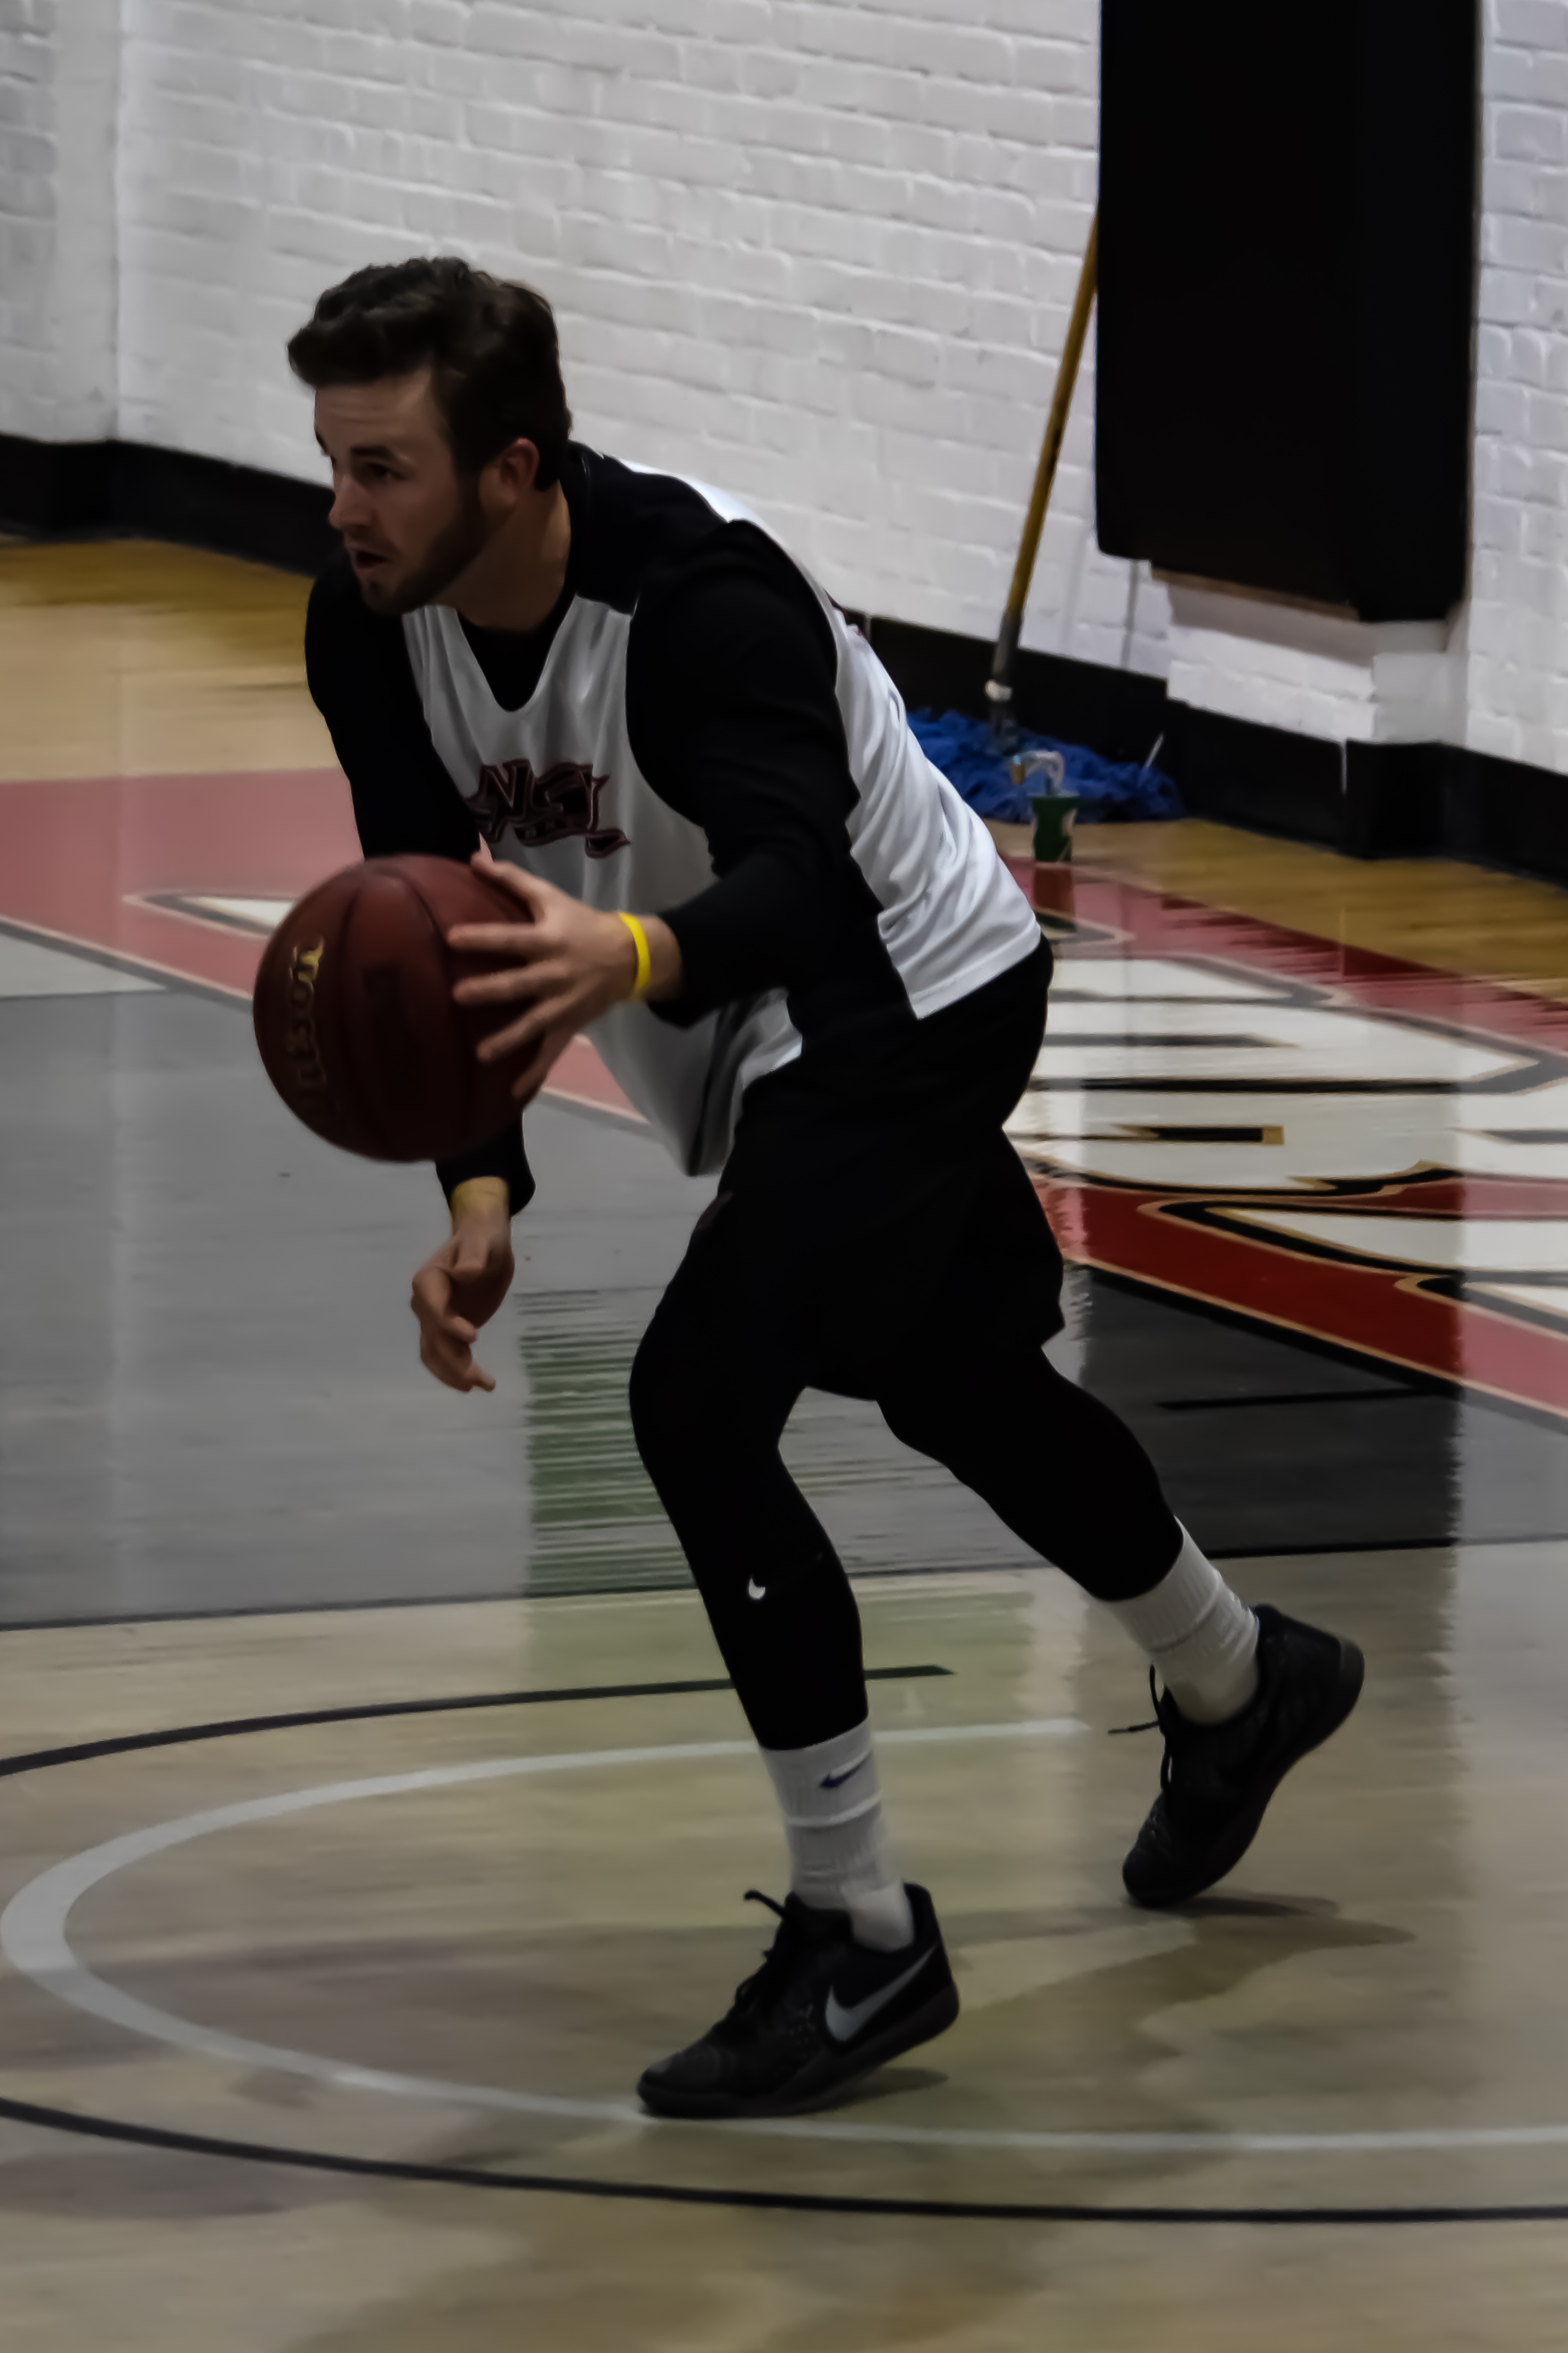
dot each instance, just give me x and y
(901, 1217)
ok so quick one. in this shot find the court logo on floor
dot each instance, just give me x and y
(1317, 1137)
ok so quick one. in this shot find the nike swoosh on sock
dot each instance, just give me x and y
(836, 1780)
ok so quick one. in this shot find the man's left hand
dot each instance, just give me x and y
(569, 964)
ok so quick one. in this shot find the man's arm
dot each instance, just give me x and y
(461, 1285)
(357, 668)
(733, 713)
(404, 803)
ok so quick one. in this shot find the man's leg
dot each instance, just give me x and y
(1067, 1475)
(1247, 1693)
(857, 1972)
(714, 1383)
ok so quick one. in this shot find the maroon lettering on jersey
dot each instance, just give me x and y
(562, 804)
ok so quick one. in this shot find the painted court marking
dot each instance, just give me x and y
(34, 1939)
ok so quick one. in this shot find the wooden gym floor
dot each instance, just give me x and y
(363, 1831)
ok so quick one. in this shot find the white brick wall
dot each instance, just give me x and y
(59, 73)
(821, 251)
(1313, 672)
(1516, 633)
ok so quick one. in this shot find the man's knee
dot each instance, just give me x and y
(931, 1417)
(690, 1399)
(667, 1404)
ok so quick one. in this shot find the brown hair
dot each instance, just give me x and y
(490, 345)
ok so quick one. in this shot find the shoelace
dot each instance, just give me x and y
(1119, 1730)
(775, 1952)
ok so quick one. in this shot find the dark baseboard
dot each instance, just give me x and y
(1372, 800)
(119, 488)
(53, 487)
(1394, 798)
(1503, 813)
(1365, 800)
(1259, 777)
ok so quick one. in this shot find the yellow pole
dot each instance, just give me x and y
(999, 687)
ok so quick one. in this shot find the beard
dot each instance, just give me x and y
(451, 551)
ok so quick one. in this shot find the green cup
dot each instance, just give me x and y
(1055, 814)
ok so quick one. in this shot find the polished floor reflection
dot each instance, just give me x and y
(373, 1804)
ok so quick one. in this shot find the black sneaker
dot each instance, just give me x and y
(820, 2011)
(1217, 1778)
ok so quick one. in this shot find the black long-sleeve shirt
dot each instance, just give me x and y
(733, 719)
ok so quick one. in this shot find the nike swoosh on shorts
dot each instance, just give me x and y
(844, 2025)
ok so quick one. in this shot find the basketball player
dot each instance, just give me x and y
(797, 951)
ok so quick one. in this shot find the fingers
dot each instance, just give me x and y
(447, 1354)
(498, 939)
(446, 1339)
(453, 1366)
(433, 1286)
(539, 1022)
(526, 889)
(520, 981)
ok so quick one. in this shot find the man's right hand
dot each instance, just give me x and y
(460, 1286)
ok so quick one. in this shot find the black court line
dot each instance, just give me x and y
(787, 2201)
(230, 1728)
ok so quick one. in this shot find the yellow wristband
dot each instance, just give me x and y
(645, 961)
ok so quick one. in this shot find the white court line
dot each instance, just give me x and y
(30, 969)
(32, 1937)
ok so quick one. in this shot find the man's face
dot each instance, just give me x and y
(410, 521)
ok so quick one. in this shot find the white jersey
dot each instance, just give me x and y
(558, 791)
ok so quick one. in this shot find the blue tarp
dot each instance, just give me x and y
(1106, 791)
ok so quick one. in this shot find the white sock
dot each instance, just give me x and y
(1201, 1640)
(839, 1851)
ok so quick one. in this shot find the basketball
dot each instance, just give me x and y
(355, 1016)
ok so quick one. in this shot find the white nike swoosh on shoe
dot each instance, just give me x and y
(755, 1590)
(844, 2024)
